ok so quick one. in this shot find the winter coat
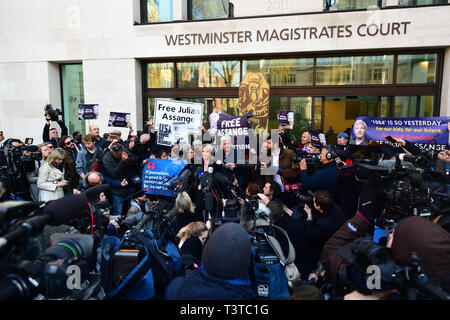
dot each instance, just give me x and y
(323, 179)
(82, 164)
(49, 177)
(199, 285)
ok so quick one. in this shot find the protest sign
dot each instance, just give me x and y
(254, 94)
(237, 127)
(170, 111)
(180, 133)
(165, 135)
(158, 174)
(119, 119)
(286, 118)
(427, 133)
(87, 111)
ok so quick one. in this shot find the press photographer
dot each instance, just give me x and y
(344, 258)
(51, 134)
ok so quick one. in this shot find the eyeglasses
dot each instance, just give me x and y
(68, 143)
(50, 146)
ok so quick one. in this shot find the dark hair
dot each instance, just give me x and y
(275, 187)
(276, 211)
(61, 143)
(76, 133)
(324, 200)
(253, 188)
(290, 175)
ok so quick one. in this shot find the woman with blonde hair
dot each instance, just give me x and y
(185, 211)
(193, 229)
(51, 176)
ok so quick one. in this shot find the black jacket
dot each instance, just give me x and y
(198, 285)
(46, 133)
(318, 232)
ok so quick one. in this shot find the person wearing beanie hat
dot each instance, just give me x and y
(224, 270)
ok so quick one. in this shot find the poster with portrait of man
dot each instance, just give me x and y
(254, 94)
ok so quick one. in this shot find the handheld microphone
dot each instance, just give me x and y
(57, 212)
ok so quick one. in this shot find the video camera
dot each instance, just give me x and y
(14, 165)
(407, 185)
(47, 275)
(366, 257)
(53, 113)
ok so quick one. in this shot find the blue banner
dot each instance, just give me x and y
(158, 174)
(429, 133)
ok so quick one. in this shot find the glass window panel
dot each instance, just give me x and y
(194, 74)
(420, 2)
(159, 10)
(355, 70)
(73, 95)
(227, 105)
(209, 9)
(416, 68)
(225, 73)
(405, 106)
(283, 72)
(160, 75)
(318, 113)
(348, 4)
(426, 106)
(385, 106)
(341, 112)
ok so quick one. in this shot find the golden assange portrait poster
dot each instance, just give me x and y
(254, 96)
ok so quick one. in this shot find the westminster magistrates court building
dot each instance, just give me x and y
(329, 61)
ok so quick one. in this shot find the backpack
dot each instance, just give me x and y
(141, 267)
(273, 275)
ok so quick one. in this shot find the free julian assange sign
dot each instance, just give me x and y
(289, 34)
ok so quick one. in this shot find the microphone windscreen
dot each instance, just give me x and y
(185, 175)
(95, 191)
(221, 178)
(64, 209)
(31, 148)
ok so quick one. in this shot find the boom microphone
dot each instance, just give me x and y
(93, 192)
(57, 212)
(30, 148)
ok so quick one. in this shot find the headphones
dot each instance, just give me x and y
(331, 152)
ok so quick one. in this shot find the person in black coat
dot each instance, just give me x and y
(320, 226)
(293, 223)
(224, 270)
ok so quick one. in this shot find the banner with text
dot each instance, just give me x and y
(237, 127)
(170, 111)
(430, 133)
(158, 174)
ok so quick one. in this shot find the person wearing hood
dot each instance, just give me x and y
(224, 270)
(429, 241)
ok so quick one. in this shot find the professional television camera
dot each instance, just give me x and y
(363, 254)
(53, 113)
(312, 159)
(14, 166)
(407, 186)
(46, 275)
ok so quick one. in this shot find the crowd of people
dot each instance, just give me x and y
(217, 259)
